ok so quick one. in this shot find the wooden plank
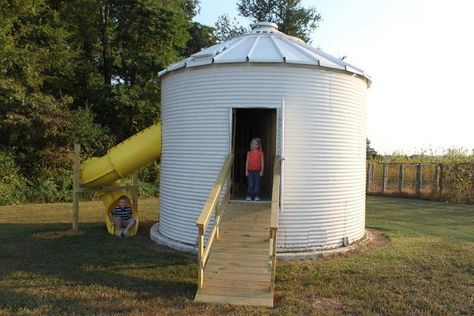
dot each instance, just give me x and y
(263, 211)
(239, 257)
(233, 277)
(441, 181)
(384, 177)
(401, 178)
(258, 230)
(419, 179)
(237, 269)
(241, 248)
(245, 239)
(263, 220)
(236, 291)
(235, 300)
(237, 233)
(249, 206)
(263, 256)
(237, 260)
(243, 242)
(241, 284)
(260, 221)
(243, 251)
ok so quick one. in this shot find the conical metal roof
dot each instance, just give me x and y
(264, 44)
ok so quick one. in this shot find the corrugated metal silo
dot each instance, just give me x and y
(318, 106)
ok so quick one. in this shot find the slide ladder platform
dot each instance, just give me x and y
(237, 271)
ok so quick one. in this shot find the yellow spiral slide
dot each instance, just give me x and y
(121, 160)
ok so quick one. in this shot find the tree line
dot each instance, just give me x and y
(85, 71)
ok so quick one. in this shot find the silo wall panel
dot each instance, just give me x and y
(324, 173)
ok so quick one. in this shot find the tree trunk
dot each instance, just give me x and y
(104, 10)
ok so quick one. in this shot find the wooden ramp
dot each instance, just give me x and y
(237, 270)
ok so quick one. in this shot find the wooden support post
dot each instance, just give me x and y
(419, 179)
(437, 179)
(384, 177)
(372, 176)
(472, 182)
(274, 237)
(441, 174)
(368, 184)
(401, 178)
(200, 256)
(135, 191)
(76, 185)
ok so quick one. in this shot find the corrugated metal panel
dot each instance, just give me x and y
(324, 139)
(264, 44)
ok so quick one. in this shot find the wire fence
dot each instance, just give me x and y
(440, 182)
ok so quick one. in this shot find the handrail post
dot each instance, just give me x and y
(275, 208)
(200, 254)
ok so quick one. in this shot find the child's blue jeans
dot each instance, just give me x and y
(254, 184)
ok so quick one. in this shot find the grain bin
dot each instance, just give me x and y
(307, 107)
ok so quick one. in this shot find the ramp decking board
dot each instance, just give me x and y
(237, 270)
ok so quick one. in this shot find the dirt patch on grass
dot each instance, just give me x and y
(378, 238)
(58, 234)
(326, 304)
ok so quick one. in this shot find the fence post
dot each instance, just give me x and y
(384, 177)
(368, 184)
(401, 178)
(472, 183)
(441, 184)
(419, 179)
(437, 179)
(135, 191)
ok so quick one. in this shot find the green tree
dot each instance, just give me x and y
(124, 44)
(37, 88)
(201, 36)
(225, 28)
(36, 61)
(290, 16)
(370, 152)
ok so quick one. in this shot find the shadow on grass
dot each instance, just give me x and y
(87, 269)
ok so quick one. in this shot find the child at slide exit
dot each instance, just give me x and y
(122, 218)
(254, 169)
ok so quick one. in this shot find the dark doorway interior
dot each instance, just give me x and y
(249, 123)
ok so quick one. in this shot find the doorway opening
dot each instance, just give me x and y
(246, 124)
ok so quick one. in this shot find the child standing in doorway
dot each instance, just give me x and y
(254, 169)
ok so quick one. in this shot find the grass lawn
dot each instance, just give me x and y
(428, 266)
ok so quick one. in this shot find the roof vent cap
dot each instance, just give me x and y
(264, 27)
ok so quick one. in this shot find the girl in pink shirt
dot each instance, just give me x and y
(254, 169)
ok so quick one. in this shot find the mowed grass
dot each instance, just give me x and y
(426, 268)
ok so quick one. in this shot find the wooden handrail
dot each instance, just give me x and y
(275, 210)
(212, 203)
(214, 194)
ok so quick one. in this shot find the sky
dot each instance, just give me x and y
(419, 54)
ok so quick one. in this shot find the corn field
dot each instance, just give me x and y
(433, 181)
